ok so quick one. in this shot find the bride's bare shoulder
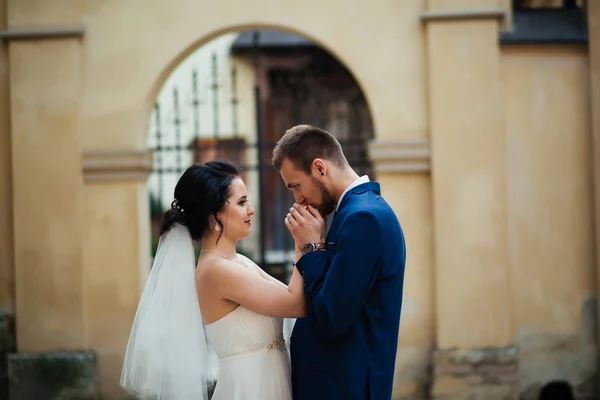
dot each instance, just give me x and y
(216, 270)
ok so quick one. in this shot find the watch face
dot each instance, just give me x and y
(309, 247)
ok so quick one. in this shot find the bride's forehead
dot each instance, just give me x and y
(238, 186)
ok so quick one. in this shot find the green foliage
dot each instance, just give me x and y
(156, 214)
(59, 376)
(154, 245)
(156, 207)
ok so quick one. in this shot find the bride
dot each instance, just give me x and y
(226, 307)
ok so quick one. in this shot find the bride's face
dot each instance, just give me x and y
(237, 214)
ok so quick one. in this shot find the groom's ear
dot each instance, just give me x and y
(319, 166)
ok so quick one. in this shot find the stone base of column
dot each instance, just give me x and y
(7, 346)
(61, 375)
(474, 374)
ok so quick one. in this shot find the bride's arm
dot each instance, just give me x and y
(297, 281)
(252, 291)
(270, 278)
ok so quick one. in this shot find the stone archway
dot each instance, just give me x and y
(233, 98)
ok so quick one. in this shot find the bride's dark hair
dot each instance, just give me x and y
(201, 191)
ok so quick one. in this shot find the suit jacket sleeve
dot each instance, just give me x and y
(336, 290)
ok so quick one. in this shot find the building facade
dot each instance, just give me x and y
(486, 140)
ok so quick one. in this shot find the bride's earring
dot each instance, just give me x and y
(217, 228)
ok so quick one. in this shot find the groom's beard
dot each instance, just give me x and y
(327, 202)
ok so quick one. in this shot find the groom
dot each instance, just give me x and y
(345, 347)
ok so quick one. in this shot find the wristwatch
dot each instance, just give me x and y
(313, 246)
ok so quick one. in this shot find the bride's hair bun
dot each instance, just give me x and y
(201, 191)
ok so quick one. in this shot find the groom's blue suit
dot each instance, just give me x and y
(345, 347)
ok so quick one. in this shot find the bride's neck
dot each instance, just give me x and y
(225, 247)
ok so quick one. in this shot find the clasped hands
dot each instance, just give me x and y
(306, 224)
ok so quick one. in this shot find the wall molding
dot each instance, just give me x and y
(457, 15)
(48, 33)
(116, 165)
(400, 155)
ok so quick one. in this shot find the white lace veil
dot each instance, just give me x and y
(168, 355)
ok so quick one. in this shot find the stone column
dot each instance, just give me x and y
(116, 253)
(469, 201)
(47, 195)
(593, 14)
(7, 266)
(7, 292)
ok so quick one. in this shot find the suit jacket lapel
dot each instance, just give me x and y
(365, 187)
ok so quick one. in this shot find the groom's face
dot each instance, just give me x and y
(307, 189)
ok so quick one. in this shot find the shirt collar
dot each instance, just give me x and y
(359, 181)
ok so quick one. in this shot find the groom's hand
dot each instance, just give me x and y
(305, 224)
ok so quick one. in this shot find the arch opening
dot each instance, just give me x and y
(233, 97)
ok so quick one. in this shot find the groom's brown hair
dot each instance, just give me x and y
(301, 144)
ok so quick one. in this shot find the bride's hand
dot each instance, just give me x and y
(305, 224)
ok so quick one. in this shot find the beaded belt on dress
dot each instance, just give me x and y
(277, 344)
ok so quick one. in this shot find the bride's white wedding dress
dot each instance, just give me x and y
(254, 362)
